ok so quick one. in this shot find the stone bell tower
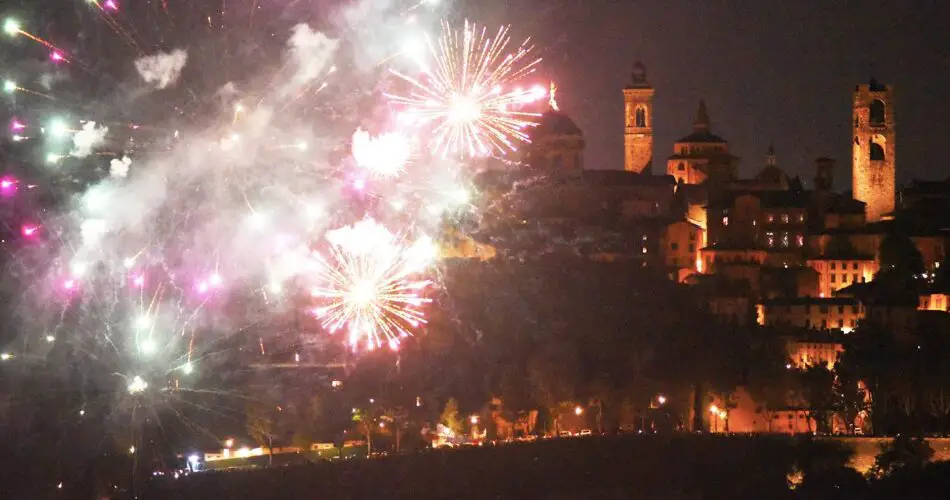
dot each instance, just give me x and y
(873, 161)
(638, 128)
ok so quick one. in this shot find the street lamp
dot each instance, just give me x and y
(661, 399)
(474, 419)
(578, 410)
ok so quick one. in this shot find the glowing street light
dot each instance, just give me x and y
(661, 399)
(578, 410)
(474, 419)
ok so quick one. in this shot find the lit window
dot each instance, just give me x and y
(854, 266)
(784, 218)
(801, 217)
(833, 265)
(771, 218)
(770, 238)
(644, 249)
(800, 240)
(785, 240)
(644, 237)
(725, 221)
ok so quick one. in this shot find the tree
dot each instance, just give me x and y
(817, 388)
(901, 452)
(397, 417)
(363, 423)
(261, 420)
(551, 374)
(450, 416)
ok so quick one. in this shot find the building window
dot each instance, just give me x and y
(692, 248)
(674, 246)
(832, 277)
(801, 217)
(770, 238)
(644, 249)
(641, 117)
(840, 323)
(854, 266)
(854, 278)
(725, 220)
(771, 218)
(785, 240)
(834, 266)
(800, 240)
(784, 218)
(841, 309)
(692, 236)
(877, 152)
(877, 112)
(681, 167)
(644, 237)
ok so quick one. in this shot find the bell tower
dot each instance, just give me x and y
(873, 161)
(638, 122)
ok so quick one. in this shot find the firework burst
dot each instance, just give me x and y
(462, 94)
(371, 286)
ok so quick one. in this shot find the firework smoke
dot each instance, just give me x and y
(162, 69)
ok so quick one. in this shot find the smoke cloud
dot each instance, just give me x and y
(119, 169)
(162, 69)
(310, 54)
(88, 139)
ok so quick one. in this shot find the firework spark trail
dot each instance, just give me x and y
(370, 285)
(463, 97)
(137, 272)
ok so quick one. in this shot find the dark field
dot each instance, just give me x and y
(675, 467)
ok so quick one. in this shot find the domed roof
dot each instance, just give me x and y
(554, 122)
(771, 173)
(701, 128)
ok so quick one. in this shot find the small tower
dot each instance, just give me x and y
(824, 174)
(638, 128)
(873, 161)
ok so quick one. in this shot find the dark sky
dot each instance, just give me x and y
(771, 71)
(779, 72)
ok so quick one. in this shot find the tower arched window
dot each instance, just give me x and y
(640, 118)
(877, 112)
(877, 152)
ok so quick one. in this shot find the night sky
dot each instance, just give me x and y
(771, 72)
(774, 72)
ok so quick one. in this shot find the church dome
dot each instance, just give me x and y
(553, 123)
(702, 133)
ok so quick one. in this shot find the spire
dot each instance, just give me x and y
(638, 76)
(770, 157)
(701, 124)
